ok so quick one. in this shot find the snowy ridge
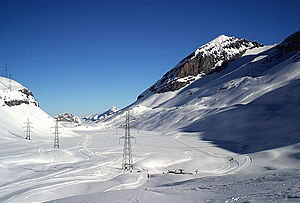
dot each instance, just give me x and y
(207, 59)
(224, 46)
(101, 116)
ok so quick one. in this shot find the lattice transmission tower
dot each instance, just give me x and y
(28, 130)
(8, 76)
(9, 83)
(127, 151)
(56, 135)
(5, 71)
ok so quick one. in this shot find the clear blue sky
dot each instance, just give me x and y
(82, 56)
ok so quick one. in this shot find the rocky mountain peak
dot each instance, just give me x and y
(207, 59)
(67, 117)
(114, 109)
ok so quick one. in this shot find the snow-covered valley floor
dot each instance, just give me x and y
(87, 168)
(231, 136)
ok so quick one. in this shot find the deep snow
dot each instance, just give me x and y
(235, 134)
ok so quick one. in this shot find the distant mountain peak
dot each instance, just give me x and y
(114, 109)
(97, 117)
(67, 117)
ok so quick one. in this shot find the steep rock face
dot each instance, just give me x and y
(67, 117)
(207, 59)
(290, 45)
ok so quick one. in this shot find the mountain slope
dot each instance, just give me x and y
(207, 59)
(247, 79)
(235, 133)
(17, 106)
(246, 116)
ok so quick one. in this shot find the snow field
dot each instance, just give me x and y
(234, 133)
(93, 158)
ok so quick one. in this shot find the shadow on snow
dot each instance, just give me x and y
(268, 122)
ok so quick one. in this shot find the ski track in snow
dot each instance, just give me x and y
(59, 177)
(89, 160)
(231, 165)
(140, 181)
(91, 170)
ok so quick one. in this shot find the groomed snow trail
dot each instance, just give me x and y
(232, 163)
(91, 163)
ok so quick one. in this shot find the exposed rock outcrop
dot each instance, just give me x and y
(26, 92)
(289, 45)
(67, 117)
(16, 102)
(292, 43)
(16, 97)
(211, 57)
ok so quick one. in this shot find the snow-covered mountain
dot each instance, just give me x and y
(17, 106)
(243, 86)
(67, 117)
(237, 124)
(101, 116)
(231, 135)
(209, 58)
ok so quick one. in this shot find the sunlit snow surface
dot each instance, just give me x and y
(234, 133)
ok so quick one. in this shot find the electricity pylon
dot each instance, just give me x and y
(28, 130)
(9, 85)
(127, 151)
(5, 72)
(56, 135)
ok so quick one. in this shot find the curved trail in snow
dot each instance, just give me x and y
(231, 164)
(98, 165)
(132, 185)
(61, 174)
